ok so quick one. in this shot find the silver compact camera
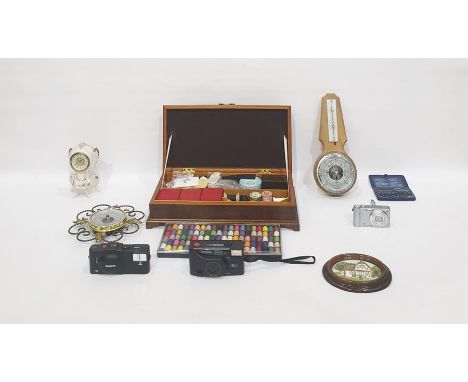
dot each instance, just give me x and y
(371, 215)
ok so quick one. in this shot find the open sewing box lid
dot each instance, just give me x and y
(227, 136)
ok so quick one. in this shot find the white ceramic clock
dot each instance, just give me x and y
(83, 159)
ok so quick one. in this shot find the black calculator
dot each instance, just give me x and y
(391, 188)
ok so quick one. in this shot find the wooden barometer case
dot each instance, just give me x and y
(232, 140)
(334, 171)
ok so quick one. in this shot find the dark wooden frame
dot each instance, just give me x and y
(357, 286)
(283, 213)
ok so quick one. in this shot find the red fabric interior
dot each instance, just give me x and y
(207, 194)
(190, 194)
(168, 194)
(212, 194)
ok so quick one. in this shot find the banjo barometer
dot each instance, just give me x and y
(334, 171)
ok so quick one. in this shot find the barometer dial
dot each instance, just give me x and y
(79, 162)
(107, 220)
(335, 173)
(106, 223)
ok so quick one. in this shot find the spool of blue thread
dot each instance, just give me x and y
(251, 184)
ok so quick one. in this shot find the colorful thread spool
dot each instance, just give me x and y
(257, 239)
(255, 196)
(267, 196)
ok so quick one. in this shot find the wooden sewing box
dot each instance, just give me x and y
(230, 139)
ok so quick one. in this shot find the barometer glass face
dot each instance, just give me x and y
(108, 219)
(79, 162)
(336, 173)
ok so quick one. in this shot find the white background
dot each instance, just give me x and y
(248, 28)
(402, 117)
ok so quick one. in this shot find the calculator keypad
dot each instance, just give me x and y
(395, 195)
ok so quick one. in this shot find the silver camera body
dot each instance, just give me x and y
(371, 215)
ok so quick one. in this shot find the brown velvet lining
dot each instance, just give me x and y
(244, 138)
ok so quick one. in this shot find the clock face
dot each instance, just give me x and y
(79, 162)
(108, 220)
(336, 173)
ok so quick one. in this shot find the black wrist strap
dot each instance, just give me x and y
(292, 260)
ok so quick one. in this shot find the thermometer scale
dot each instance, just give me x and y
(334, 171)
(332, 124)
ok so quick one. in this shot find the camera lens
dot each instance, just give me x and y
(213, 269)
(110, 263)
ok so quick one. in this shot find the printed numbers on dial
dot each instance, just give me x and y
(336, 173)
(79, 162)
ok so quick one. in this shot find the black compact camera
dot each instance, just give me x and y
(214, 258)
(117, 258)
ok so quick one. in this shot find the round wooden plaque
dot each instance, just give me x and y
(355, 272)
